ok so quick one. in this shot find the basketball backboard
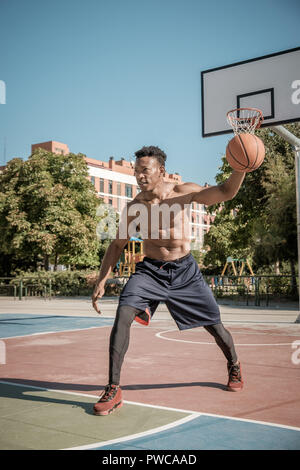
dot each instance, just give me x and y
(270, 83)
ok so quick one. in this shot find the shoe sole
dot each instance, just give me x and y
(108, 412)
(229, 389)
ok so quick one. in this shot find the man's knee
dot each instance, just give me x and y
(216, 330)
(126, 314)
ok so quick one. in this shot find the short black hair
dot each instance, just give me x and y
(152, 151)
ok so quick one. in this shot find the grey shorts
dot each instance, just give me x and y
(179, 284)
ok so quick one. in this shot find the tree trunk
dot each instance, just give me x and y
(294, 279)
(277, 267)
(46, 262)
(55, 262)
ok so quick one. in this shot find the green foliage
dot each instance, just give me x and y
(48, 211)
(225, 238)
(63, 283)
(197, 255)
(260, 222)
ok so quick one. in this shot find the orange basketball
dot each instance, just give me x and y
(245, 152)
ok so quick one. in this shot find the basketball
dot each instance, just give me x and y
(245, 152)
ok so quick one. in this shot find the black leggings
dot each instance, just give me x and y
(120, 334)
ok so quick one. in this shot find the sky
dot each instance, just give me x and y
(108, 77)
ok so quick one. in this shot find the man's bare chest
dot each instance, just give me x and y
(167, 219)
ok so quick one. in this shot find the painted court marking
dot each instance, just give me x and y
(54, 332)
(161, 333)
(160, 432)
(130, 437)
(193, 415)
(22, 325)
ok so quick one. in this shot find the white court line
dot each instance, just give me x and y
(159, 407)
(54, 332)
(130, 437)
(159, 335)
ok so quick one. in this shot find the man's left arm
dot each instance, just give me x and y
(214, 194)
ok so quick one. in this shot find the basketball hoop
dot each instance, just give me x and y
(245, 120)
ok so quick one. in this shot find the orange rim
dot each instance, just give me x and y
(236, 118)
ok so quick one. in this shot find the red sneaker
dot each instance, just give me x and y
(235, 381)
(110, 400)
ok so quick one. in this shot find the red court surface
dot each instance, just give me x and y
(165, 367)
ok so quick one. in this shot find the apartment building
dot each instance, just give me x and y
(116, 184)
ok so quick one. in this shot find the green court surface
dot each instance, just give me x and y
(31, 418)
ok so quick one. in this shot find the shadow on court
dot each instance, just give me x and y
(99, 388)
(29, 394)
(37, 419)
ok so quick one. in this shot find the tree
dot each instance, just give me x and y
(48, 210)
(265, 206)
(223, 240)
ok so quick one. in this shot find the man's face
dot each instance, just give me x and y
(148, 172)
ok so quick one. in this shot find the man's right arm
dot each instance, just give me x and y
(112, 254)
(109, 261)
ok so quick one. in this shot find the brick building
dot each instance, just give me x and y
(116, 184)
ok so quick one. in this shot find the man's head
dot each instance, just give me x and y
(149, 167)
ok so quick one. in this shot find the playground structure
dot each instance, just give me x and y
(130, 256)
(237, 277)
(241, 263)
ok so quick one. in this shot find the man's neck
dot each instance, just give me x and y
(157, 194)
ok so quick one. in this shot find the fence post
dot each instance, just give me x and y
(257, 303)
(20, 289)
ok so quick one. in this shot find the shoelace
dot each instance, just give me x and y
(234, 373)
(109, 393)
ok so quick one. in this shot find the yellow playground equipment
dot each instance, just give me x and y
(131, 256)
(241, 264)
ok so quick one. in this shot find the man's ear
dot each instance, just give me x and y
(163, 170)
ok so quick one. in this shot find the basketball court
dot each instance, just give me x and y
(55, 355)
(173, 382)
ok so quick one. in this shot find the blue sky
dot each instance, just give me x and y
(107, 77)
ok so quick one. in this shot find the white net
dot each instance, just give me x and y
(244, 120)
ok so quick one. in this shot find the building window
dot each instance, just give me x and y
(110, 187)
(101, 185)
(93, 180)
(110, 201)
(128, 190)
(119, 189)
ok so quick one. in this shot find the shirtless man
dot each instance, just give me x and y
(168, 273)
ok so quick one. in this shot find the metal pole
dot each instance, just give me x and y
(20, 289)
(295, 142)
(297, 170)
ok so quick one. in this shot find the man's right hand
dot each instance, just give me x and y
(97, 294)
